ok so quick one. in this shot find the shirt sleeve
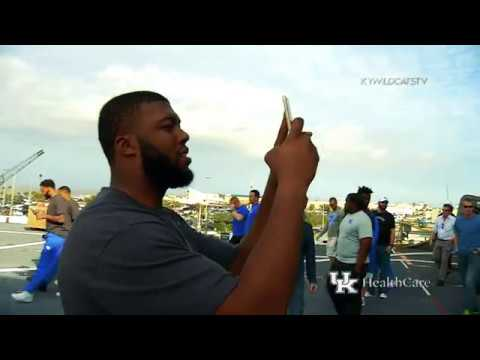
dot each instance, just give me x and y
(163, 276)
(222, 252)
(62, 207)
(244, 211)
(365, 227)
(52, 207)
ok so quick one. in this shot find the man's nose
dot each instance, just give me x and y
(184, 137)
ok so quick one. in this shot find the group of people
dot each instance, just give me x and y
(127, 254)
(359, 242)
(459, 235)
(243, 216)
(61, 213)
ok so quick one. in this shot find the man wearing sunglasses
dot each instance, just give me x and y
(467, 237)
(443, 236)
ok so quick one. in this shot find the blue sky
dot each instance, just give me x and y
(406, 142)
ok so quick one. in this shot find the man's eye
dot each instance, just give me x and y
(168, 127)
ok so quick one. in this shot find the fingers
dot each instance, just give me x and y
(282, 132)
(297, 127)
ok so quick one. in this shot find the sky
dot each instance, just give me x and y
(406, 142)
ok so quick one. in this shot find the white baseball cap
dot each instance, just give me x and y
(383, 199)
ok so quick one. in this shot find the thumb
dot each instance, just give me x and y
(297, 127)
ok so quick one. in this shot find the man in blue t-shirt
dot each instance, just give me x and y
(467, 239)
(254, 198)
(240, 216)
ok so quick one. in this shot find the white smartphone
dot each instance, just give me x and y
(288, 113)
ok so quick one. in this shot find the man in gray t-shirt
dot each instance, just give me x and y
(351, 256)
(74, 209)
(169, 266)
(333, 224)
(127, 254)
(58, 206)
(58, 224)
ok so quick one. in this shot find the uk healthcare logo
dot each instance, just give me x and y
(345, 285)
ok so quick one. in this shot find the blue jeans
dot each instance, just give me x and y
(384, 267)
(48, 264)
(296, 304)
(469, 266)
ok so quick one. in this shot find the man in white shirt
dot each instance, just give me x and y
(444, 236)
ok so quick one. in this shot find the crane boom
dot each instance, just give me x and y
(9, 173)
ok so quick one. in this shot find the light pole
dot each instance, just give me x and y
(199, 220)
(12, 198)
(206, 205)
(4, 194)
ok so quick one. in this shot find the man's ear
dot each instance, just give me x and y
(126, 145)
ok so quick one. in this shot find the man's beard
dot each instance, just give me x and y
(161, 171)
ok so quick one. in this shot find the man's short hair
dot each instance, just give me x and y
(256, 192)
(449, 206)
(468, 201)
(357, 200)
(65, 188)
(234, 198)
(332, 198)
(364, 190)
(118, 111)
(48, 183)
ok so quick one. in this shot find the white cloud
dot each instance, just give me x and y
(234, 112)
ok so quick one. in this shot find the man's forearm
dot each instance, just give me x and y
(59, 219)
(363, 253)
(268, 277)
(249, 241)
(324, 230)
(237, 216)
(455, 241)
(392, 237)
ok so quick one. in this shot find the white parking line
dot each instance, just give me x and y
(410, 261)
(21, 245)
(403, 263)
(17, 269)
(420, 261)
(413, 253)
(425, 289)
(22, 232)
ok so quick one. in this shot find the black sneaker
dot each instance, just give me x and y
(440, 283)
(42, 288)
